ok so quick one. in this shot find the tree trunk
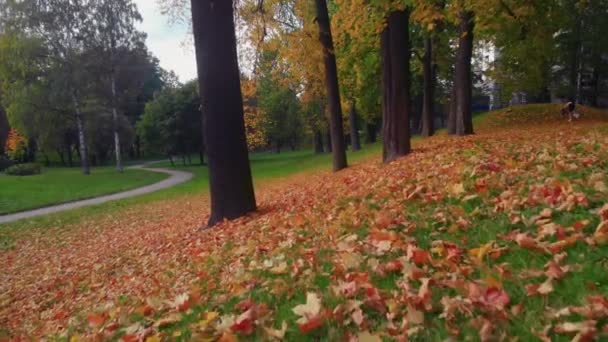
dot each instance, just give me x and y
(370, 136)
(596, 86)
(579, 77)
(171, 160)
(231, 186)
(354, 128)
(452, 110)
(428, 127)
(61, 156)
(464, 81)
(201, 156)
(318, 142)
(328, 148)
(70, 160)
(4, 129)
(119, 166)
(396, 86)
(84, 153)
(331, 82)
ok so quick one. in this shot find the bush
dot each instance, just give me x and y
(5, 163)
(23, 170)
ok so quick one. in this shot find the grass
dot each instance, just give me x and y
(428, 222)
(60, 185)
(265, 167)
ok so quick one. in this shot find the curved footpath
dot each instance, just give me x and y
(176, 177)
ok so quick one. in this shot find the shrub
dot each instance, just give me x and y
(5, 163)
(23, 170)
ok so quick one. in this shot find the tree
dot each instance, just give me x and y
(115, 29)
(4, 129)
(396, 86)
(331, 82)
(463, 80)
(230, 180)
(62, 28)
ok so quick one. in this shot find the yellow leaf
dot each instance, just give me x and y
(457, 189)
(479, 253)
(279, 334)
(308, 310)
(280, 269)
(366, 336)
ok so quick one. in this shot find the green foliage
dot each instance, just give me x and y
(172, 122)
(280, 106)
(28, 169)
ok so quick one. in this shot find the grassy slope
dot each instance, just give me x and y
(366, 211)
(60, 185)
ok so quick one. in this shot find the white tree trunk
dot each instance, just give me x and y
(119, 166)
(84, 154)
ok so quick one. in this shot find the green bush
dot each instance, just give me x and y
(5, 163)
(23, 170)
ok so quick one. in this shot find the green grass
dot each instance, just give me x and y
(60, 185)
(270, 165)
(265, 167)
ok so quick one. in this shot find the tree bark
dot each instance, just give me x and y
(331, 82)
(371, 132)
(119, 166)
(231, 186)
(464, 81)
(318, 142)
(328, 148)
(354, 128)
(4, 129)
(396, 86)
(428, 125)
(452, 110)
(84, 153)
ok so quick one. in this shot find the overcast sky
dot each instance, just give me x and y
(166, 40)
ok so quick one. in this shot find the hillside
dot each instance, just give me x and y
(501, 234)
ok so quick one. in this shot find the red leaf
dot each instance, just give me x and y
(312, 324)
(96, 320)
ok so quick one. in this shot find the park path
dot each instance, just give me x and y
(175, 177)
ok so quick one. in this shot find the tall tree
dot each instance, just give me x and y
(396, 86)
(63, 28)
(115, 29)
(331, 82)
(354, 128)
(230, 180)
(463, 78)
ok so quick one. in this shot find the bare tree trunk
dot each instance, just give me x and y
(331, 82)
(370, 136)
(231, 186)
(328, 147)
(396, 86)
(318, 142)
(579, 77)
(119, 166)
(452, 110)
(464, 81)
(428, 127)
(84, 153)
(354, 128)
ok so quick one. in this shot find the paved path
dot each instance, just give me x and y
(176, 177)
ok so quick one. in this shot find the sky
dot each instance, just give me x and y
(166, 41)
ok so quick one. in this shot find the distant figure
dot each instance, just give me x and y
(568, 110)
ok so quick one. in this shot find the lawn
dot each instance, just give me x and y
(467, 238)
(60, 185)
